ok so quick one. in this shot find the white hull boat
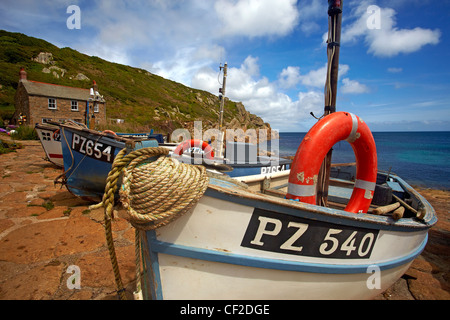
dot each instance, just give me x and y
(51, 143)
(240, 244)
(295, 234)
(259, 238)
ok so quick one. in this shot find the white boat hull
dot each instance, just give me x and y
(200, 280)
(218, 251)
(51, 142)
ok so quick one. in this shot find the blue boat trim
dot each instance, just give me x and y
(274, 264)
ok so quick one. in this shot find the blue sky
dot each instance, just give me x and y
(394, 66)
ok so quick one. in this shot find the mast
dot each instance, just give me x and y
(222, 102)
(333, 49)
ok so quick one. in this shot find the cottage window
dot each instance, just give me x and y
(96, 107)
(52, 104)
(74, 105)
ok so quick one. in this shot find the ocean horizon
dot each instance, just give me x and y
(421, 158)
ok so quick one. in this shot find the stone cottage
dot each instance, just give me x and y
(38, 102)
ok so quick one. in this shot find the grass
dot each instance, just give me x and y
(48, 205)
(9, 146)
(144, 100)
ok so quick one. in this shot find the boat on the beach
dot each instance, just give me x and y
(51, 142)
(88, 154)
(256, 233)
(241, 158)
(297, 234)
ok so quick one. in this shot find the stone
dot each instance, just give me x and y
(14, 197)
(424, 286)
(5, 224)
(32, 243)
(56, 212)
(97, 272)
(38, 283)
(44, 57)
(80, 235)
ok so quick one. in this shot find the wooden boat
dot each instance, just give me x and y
(239, 240)
(297, 234)
(51, 142)
(49, 136)
(241, 158)
(88, 155)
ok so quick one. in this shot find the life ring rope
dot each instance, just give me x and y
(335, 127)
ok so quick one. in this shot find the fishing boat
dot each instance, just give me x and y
(244, 237)
(51, 142)
(50, 138)
(242, 158)
(88, 154)
(298, 234)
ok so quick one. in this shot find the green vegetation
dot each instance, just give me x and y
(25, 132)
(144, 100)
(48, 205)
(9, 146)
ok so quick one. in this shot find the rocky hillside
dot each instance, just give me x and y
(144, 100)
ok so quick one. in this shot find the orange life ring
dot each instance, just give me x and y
(110, 132)
(207, 149)
(318, 141)
(55, 133)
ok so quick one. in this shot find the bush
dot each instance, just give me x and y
(25, 133)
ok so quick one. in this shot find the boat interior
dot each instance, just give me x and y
(389, 190)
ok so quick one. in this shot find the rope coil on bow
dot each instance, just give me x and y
(153, 193)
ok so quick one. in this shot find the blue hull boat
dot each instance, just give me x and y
(89, 154)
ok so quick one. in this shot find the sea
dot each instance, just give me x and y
(420, 158)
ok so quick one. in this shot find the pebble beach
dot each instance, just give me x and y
(44, 229)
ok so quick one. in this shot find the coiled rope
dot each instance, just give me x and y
(153, 193)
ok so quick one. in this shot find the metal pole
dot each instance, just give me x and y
(87, 114)
(333, 50)
(222, 103)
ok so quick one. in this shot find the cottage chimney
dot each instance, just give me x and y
(22, 74)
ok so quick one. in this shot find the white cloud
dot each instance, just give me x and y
(264, 98)
(289, 77)
(255, 18)
(186, 63)
(261, 96)
(378, 28)
(316, 78)
(309, 12)
(353, 86)
(394, 70)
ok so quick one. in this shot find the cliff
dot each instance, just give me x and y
(142, 99)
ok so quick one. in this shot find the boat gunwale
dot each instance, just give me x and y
(118, 138)
(229, 191)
